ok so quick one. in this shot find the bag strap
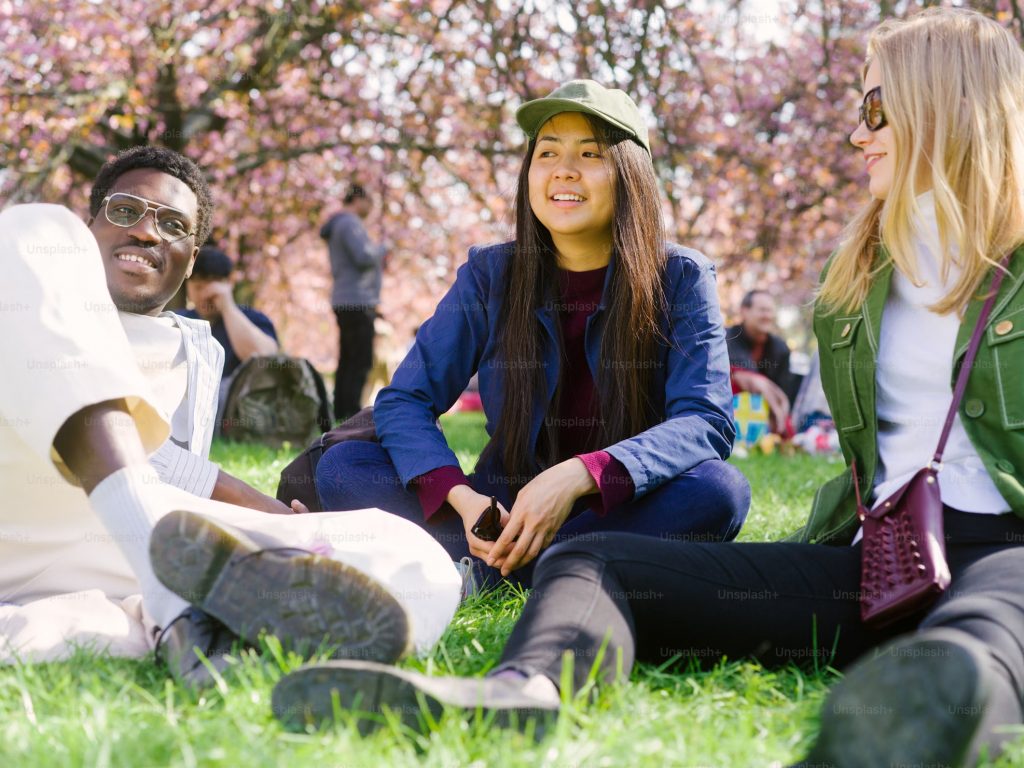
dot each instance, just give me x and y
(856, 490)
(972, 352)
(961, 379)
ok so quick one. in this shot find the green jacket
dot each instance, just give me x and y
(992, 410)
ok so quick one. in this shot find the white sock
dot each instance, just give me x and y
(126, 504)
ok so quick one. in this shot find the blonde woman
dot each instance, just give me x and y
(941, 129)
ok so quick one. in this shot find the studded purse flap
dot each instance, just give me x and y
(903, 553)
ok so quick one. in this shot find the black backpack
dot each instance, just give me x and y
(275, 399)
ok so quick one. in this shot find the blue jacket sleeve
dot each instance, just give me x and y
(445, 355)
(698, 397)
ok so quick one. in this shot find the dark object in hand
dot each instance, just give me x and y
(488, 525)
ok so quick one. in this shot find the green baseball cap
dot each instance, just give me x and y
(610, 104)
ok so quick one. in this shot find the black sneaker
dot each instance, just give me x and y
(917, 701)
(308, 601)
(308, 695)
(183, 640)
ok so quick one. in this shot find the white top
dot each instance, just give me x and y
(159, 351)
(158, 345)
(914, 390)
(65, 347)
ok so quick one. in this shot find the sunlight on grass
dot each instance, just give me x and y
(99, 711)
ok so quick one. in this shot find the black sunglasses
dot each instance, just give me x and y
(871, 113)
(488, 525)
(124, 210)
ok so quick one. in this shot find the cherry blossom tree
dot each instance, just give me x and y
(284, 104)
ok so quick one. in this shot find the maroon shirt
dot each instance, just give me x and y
(578, 406)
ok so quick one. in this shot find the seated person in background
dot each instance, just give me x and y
(242, 331)
(758, 359)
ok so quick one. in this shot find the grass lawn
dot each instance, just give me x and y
(96, 711)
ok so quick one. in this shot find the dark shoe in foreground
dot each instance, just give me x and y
(916, 702)
(306, 600)
(184, 639)
(308, 695)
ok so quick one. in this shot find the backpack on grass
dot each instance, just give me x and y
(275, 399)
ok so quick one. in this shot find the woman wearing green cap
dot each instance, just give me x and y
(601, 357)
(920, 323)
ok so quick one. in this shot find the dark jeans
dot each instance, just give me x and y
(708, 503)
(355, 358)
(650, 601)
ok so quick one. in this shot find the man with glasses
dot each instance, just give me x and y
(148, 248)
(97, 378)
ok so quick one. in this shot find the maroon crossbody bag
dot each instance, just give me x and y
(903, 552)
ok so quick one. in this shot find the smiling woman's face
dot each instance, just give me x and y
(143, 270)
(571, 185)
(879, 147)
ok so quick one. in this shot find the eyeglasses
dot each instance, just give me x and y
(871, 113)
(124, 210)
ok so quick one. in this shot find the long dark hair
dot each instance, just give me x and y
(635, 305)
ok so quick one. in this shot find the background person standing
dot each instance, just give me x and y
(357, 266)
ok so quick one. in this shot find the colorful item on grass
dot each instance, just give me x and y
(819, 438)
(750, 414)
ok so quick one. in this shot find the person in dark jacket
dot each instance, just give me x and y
(357, 266)
(244, 332)
(754, 348)
(602, 363)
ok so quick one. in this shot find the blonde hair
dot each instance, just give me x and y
(953, 93)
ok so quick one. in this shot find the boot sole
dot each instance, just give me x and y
(307, 601)
(919, 703)
(313, 695)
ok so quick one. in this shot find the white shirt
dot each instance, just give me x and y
(65, 348)
(51, 542)
(159, 351)
(913, 381)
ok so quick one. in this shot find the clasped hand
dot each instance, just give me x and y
(541, 508)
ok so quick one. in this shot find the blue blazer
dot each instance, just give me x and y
(691, 387)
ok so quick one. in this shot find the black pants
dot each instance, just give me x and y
(355, 358)
(640, 599)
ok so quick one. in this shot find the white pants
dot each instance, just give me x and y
(63, 581)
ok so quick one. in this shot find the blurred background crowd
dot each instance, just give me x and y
(290, 106)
